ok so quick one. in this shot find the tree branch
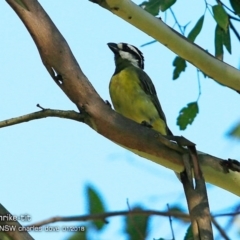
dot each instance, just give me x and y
(43, 114)
(103, 216)
(196, 195)
(15, 233)
(207, 63)
(65, 71)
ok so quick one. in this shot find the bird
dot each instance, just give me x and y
(132, 91)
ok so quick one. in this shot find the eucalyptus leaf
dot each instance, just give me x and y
(236, 6)
(165, 4)
(136, 225)
(218, 43)
(227, 40)
(196, 30)
(95, 205)
(151, 6)
(187, 115)
(189, 234)
(180, 65)
(220, 16)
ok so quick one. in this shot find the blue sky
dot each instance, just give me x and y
(47, 163)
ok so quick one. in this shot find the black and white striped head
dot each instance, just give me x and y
(128, 52)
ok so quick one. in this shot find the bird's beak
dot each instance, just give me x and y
(113, 47)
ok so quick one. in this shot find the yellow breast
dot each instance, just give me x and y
(131, 101)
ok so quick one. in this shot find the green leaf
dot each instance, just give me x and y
(220, 16)
(187, 115)
(79, 235)
(227, 40)
(222, 38)
(189, 234)
(165, 4)
(218, 43)
(235, 132)
(180, 65)
(95, 205)
(152, 6)
(136, 225)
(178, 209)
(236, 6)
(196, 30)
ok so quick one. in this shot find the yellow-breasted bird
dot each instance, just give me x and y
(131, 90)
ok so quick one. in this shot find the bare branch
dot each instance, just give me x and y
(43, 114)
(103, 216)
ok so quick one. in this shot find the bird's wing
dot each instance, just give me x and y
(149, 89)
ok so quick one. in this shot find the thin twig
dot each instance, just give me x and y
(170, 222)
(219, 228)
(43, 114)
(110, 214)
(199, 85)
(234, 30)
(226, 214)
(229, 9)
(234, 18)
(176, 21)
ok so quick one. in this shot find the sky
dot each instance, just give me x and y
(46, 164)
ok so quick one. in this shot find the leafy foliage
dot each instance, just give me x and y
(189, 234)
(227, 40)
(79, 236)
(153, 6)
(165, 4)
(220, 16)
(136, 225)
(222, 38)
(95, 205)
(187, 115)
(236, 6)
(196, 30)
(180, 65)
(218, 43)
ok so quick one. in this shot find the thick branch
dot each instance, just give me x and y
(58, 59)
(214, 68)
(16, 232)
(196, 195)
